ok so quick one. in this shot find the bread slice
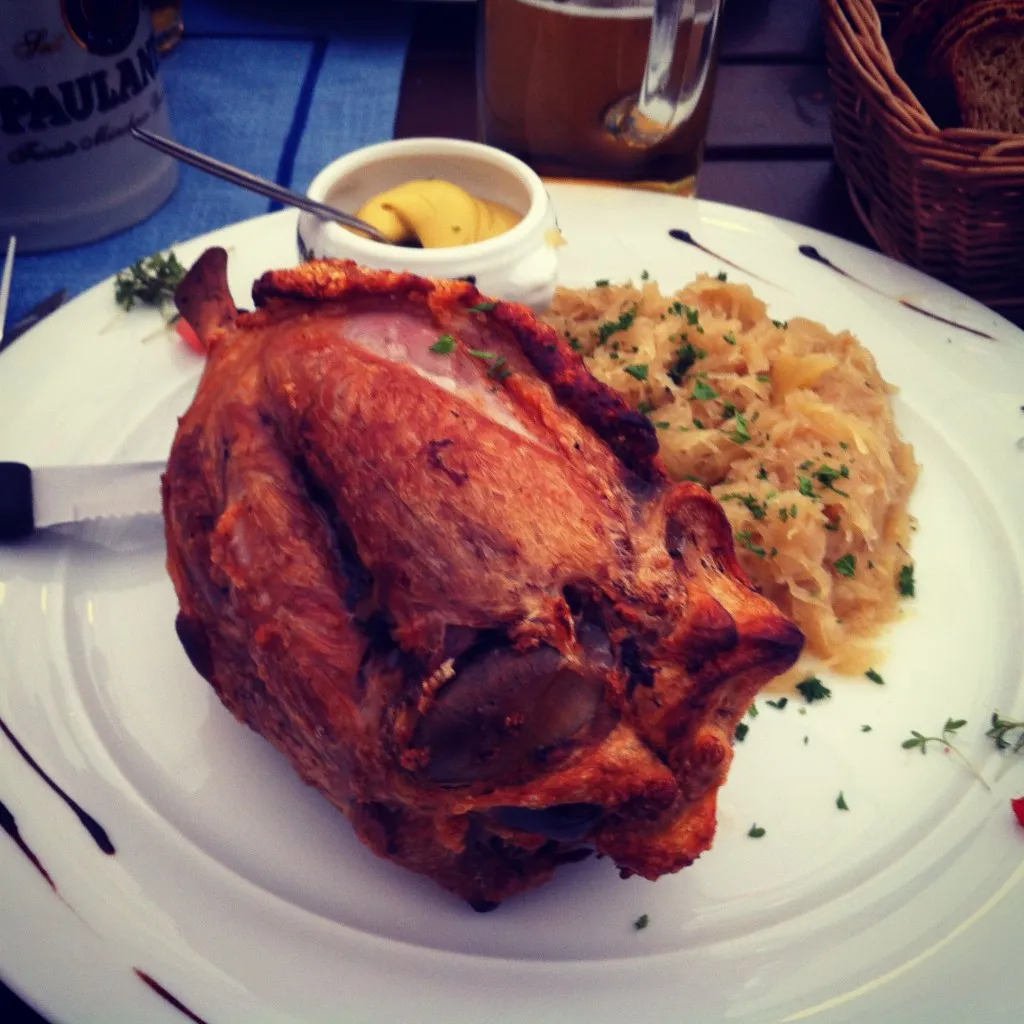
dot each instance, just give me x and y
(987, 67)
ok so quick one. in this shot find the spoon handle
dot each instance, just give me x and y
(252, 182)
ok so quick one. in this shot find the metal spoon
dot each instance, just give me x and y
(254, 183)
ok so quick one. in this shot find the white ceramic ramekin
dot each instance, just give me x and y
(520, 265)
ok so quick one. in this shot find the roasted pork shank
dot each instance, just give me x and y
(426, 555)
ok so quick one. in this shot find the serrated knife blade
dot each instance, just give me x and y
(33, 499)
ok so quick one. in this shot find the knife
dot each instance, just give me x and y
(33, 499)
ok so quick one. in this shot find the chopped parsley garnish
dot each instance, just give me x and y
(644, 275)
(741, 435)
(703, 391)
(757, 509)
(762, 473)
(841, 802)
(646, 407)
(482, 354)
(498, 370)
(685, 358)
(602, 283)
(781, 324)
(662, 424)
(745, 542)
(905, 581)
(482, 307)
(756, 831)
(444, 345)
(764, 378)
(610, 327)
(813, 689)
(575, 345)
(741, 732)
(638, 370)
(780, 703)
(729, 338)
(1001, 731)
(865, 728)
(805, 486)
(832, 525)
(826, 476)
(846, 566)
(722, 276)
(752, 711)
(874, 676)
(150, 281)
(692, 315)
(641, 922)
(699, 424)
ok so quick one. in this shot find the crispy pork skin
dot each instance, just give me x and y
(420, 550)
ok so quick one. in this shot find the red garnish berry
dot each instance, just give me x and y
(189, 336)
(1018, 809)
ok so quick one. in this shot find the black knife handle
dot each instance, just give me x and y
(16, 518)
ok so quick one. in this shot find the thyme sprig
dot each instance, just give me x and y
(918, 741)
(1001, 733)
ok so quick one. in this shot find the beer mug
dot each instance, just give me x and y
(617, 90)
(75, 75)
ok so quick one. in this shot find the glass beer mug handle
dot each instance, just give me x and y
(675, 77)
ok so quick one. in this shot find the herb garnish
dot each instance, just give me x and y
(645, 275)
(150, 282)
(805, 486)
(905, 581)
(1001, 729)
(481, 354)
(482, 307)
(601, 283)
(813, 689)
(780, 703)
(752, 711)
(722, 276)
(610, 327)
(865, 728)
(826, 476)
(444, 345)
(641, 922)
(638, 370)
(685, 358)
(920, 742)
(741, 732)
(758, 509)
(704, 392)
(729, 338)
(846, 566)
(741, 435)
(756, 831)
(841, 802)
(874, 676)
(745, 541)
(498, 370)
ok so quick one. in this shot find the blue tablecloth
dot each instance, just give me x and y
(279, 87)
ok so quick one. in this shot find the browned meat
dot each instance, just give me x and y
(454, 587)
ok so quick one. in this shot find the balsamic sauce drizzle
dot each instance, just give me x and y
(10, 826)
(89, 823)
(684, 236)
(164, 994)
(812, 254)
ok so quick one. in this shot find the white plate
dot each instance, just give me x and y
(245, 896)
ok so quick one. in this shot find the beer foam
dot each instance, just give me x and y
(637, 9)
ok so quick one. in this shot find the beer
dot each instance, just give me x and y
(552, 75)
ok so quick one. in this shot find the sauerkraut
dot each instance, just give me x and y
(790, 426)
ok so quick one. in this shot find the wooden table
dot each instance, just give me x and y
(769, 146)
(769, 142)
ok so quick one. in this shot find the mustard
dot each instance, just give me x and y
(436, 214)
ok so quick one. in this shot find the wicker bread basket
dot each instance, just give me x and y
(947, 201)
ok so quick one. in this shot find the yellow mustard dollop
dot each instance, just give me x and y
(436, 214)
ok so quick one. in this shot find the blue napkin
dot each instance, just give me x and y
(278, 88)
